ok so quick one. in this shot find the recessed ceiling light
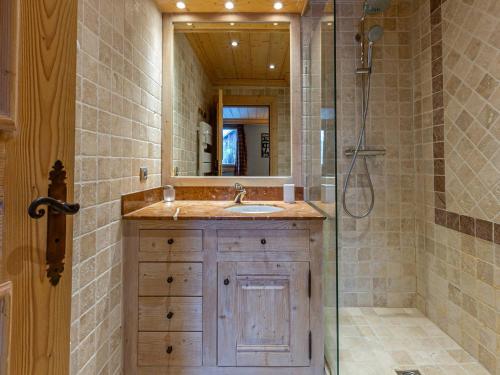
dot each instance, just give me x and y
(276, 24)
(272, 66)
(278, 5)
(329, 24)
(234, 43)
(181, 5)
(229, 5)
(232, 23)
(189, 24)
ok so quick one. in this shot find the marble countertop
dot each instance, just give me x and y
(215, 210)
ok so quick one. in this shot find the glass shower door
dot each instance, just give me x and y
(318, 49)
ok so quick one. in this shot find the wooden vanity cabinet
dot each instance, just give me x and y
(223, 297)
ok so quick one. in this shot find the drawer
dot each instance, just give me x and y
(280, 240)
(169, 349)
(171, 240)
(170, 279)
(170, 314)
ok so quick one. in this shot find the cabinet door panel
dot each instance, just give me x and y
(263, 314)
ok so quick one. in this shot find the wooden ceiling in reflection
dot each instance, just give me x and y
(248, 64)
(241, 6)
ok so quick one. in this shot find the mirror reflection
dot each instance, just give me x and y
(231, 99)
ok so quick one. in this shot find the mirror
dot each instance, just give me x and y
(231, 99)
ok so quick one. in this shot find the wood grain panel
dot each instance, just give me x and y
(263, 320)
(46, 133)
(5, 326)
(185, 314)
(171, 240)
(186, 349)
(9, 20)
(246, 64)
(242, 240)
(186, 279)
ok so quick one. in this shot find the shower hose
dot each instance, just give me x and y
(361, 142)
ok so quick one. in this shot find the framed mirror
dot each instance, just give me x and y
(231, 99)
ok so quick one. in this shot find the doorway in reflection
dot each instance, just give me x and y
(246, 148)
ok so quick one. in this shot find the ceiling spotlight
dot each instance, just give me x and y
(181, 5)
(278, 5)
(234, 43)
(229, 5)
(276, 24)
(189, 24)
(232, 23)
(272, 66)
(329, 24)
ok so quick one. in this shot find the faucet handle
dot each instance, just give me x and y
(239, 186)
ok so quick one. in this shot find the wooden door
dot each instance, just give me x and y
(45, 123)
(220, 127)
(263, 314)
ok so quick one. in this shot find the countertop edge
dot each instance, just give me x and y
(143, 215)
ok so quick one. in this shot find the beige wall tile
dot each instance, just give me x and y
(119, 71)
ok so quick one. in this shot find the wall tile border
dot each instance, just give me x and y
(485, 230)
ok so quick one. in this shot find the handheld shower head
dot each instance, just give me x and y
(375, 33)
(376, 6)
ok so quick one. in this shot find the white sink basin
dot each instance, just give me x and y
(254, 209)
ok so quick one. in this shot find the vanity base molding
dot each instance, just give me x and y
(223, 297)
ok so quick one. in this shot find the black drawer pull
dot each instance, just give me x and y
(169, 349)
(170, 241)
(170, 279)
(263, 241)
(170, 315)
(226, 281)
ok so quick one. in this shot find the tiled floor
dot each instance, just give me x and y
(377, 341)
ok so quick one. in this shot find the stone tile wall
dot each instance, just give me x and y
(117, 132)
(377, 254)
(455, 52)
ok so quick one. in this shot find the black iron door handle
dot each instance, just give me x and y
(56, 220)
(55, 205)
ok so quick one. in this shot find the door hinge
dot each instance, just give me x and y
(309, 284)
(310, 345)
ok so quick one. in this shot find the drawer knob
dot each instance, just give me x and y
(263, 241)
(170, 315)
(170, 241)
(170, 279)
(169, 349)
(226, 281)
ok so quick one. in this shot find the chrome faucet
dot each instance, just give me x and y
(240, 193)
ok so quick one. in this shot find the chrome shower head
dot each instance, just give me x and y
(376, 6)
(375, 33)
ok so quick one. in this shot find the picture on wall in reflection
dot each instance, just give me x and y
(264, 145)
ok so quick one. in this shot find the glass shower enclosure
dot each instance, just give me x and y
(319, 140)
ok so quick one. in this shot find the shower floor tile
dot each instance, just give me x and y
(378, 341)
